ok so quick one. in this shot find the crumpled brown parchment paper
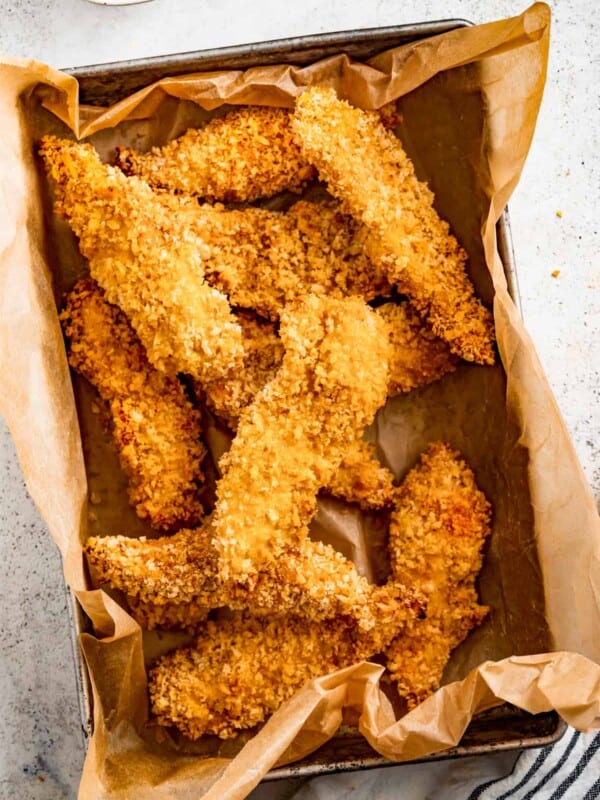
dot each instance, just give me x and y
(469, 101)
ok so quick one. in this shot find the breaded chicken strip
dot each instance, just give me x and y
(367, 169)
(437, 533)
(241, 670)
(334, 246)
(263, 353)
(145, 255)
(155, 427)
(167, 616)
(249, 153)
(172, 581)
(264, 259)
(361, 478)
(331, 382)
(419, 357)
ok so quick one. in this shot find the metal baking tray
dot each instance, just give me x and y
(502, 728)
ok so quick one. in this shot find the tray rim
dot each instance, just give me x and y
(270, 47)
(179, 63)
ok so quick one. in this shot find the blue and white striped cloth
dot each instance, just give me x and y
(569, 769)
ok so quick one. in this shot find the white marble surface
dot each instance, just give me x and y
(41, 742)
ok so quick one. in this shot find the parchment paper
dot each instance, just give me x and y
(469, 101)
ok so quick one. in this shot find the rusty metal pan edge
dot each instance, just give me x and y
(294, 45)
(79, 625)
(295, 48)
(375, 762)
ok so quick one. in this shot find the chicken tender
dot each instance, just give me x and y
(366, 168)
(173, 581)
(145, 255)
(241, 670)
(156, 429)
(335, 252)
(264, 259)
(263, 353)
(361, 478)
(437, 533)
(419, 357)
(167, 616)
(332, 380)
(249, 153)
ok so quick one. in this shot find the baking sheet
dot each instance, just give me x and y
(552, 512)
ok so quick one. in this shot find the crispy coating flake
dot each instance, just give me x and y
(167, 616)
(144, 253)
(263, 259)
(437, 533)
(263, 352)
(249, 153)
(170, 582)
(333, 243)
(419, 357)
(367, 169)
(332, 380)
(241, 670)
(155, 427)
(361, 478)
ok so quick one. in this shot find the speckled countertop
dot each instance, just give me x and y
(554, 214)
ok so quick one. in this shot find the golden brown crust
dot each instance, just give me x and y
(418, 357)
(263, 353)
(167, 616)
(336, 257)
(367, 169)
(241, 670)
(361, 478)
(332, 380)
(300, 403)
(249, 153)
(172, 581)
(264, 259)
(156, 429)
(437, 533)
(145, 255)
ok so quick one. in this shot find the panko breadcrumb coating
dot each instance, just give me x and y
(241, 670)
(145, 255)
(155, 427)
(361, 478)
(333, 244)
(172, 581)
(437, 533)
(366, 168)
(263, 259)
(419, 357)
(263, 353)
(332, 380)
(249, 153)
(167, 616)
